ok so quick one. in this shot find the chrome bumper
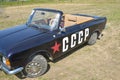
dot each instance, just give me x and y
(8, 71)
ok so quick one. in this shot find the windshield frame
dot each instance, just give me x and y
(47, 10)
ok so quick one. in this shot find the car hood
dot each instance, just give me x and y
(12, 36)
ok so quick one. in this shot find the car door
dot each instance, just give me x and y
(72, 37)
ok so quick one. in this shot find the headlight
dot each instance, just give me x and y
(6, 61)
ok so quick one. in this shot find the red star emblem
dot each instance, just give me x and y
(56, 47)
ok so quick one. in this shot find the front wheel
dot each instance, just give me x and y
(36, 66)
(93, 38)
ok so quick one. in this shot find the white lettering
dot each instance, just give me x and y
(80, 37)
(86, 33)
(76, 38)
(65, 44)
(73, 40)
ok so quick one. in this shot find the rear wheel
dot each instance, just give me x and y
(36, 66)
(93, 38)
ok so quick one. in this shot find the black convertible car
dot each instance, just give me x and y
(47, 35)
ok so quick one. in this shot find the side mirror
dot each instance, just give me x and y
(62, 30)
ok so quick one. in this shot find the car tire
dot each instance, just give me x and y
(36, 66)
(93, 38)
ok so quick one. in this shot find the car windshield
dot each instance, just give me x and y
(44, 19)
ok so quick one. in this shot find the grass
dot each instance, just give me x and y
(97, 62)
(29, 2)
(16, 3)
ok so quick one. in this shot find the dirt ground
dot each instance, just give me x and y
(97, 62)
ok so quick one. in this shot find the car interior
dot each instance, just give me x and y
(69, 20)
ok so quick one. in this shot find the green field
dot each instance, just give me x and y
(98, 62)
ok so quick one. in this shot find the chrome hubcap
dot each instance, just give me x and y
(94, 37)
(33, 68)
